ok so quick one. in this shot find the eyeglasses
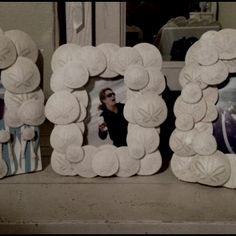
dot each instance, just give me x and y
(110, 95)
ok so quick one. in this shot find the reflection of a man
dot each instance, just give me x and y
(114, 122)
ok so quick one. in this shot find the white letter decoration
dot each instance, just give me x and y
(23, 104)
(145, 110)
(196, 157)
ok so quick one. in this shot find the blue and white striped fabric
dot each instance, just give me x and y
(21, 156)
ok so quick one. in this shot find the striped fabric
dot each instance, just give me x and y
(21, 156)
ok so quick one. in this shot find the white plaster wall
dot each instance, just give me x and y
(38, 20)
(227, 14)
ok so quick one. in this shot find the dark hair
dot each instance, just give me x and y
(102, 96)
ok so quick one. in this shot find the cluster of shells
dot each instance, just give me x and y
(196, 158)
(145, 110)
(24, 100)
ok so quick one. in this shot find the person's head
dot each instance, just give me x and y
(107, 98)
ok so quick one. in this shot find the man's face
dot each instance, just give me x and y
(110, 98)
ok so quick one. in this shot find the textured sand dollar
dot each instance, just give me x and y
(211, 113)
(82, 96)
(127, 165)
(74, 153)
(105, 163)
(180, 142)
(57, 81)
(4, 136)
(184, 122)
(136, 77)
(231, 183)
(231, 65)
(204, 127)
(11, 117)
(25, 46)
(82, 115)
(63, 54)
(204, 143)
(81, 126)
(61, 165)
(75, 75)
(157, 82)
(180, 166)
(109, 50)
(93, 58)
(132, 94)
(22, 77)
(211, 94)
(211, 170)
(63, 136)
(108, 147)
(204, 54)
(225, 42)
(150, 164)
(124, 57)
(135, 147)
(84, 168)
(214, 74)
(129, 110)
(31, 112)
(7, 52)
(151, 110)
(28, 133)
(196, 110)
(191, 93)
(150, 54)
(62, 108)
(191, 73)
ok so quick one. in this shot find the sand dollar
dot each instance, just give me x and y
(74, 153)
(184, 122)
(231, 183)
(191, 93)
(3, 168)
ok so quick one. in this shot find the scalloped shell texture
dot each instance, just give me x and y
(23, 98)
(196, 157)
(66, 108)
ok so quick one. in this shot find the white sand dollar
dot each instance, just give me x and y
(74, 153)
(129, 110)
(180, 142)
(11, 117)
(109, 50)
(191, 93)
(25, 45)
(93, 58)
(180, 166)
(204, 143)
(108, 147)
(75, 74)
(211, 94)
(7, 52)
(231, 183)
(184, 122)
(82, 115)
(136, 77)
(3, 168)
(61, 165)
(64, 54)
(4, 136)
(225, 42)
(82, 96)
(191, 73)
(124, 57)
(28, 133)
(157, 82)
(211, 113)
(105, 163)
(204, 127)
(63, 136)
(135, 147)
(22, 77)
(62, 108)
(132, 94)
(81, 126)
(213, 170)
(196, 110)
(230, 64)
(84, 168)
(150, 164)
(31, 112)
(127, 165)
(150, 54)
(57, 81)
(214, 74)
(16, 100)
(151, 110)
